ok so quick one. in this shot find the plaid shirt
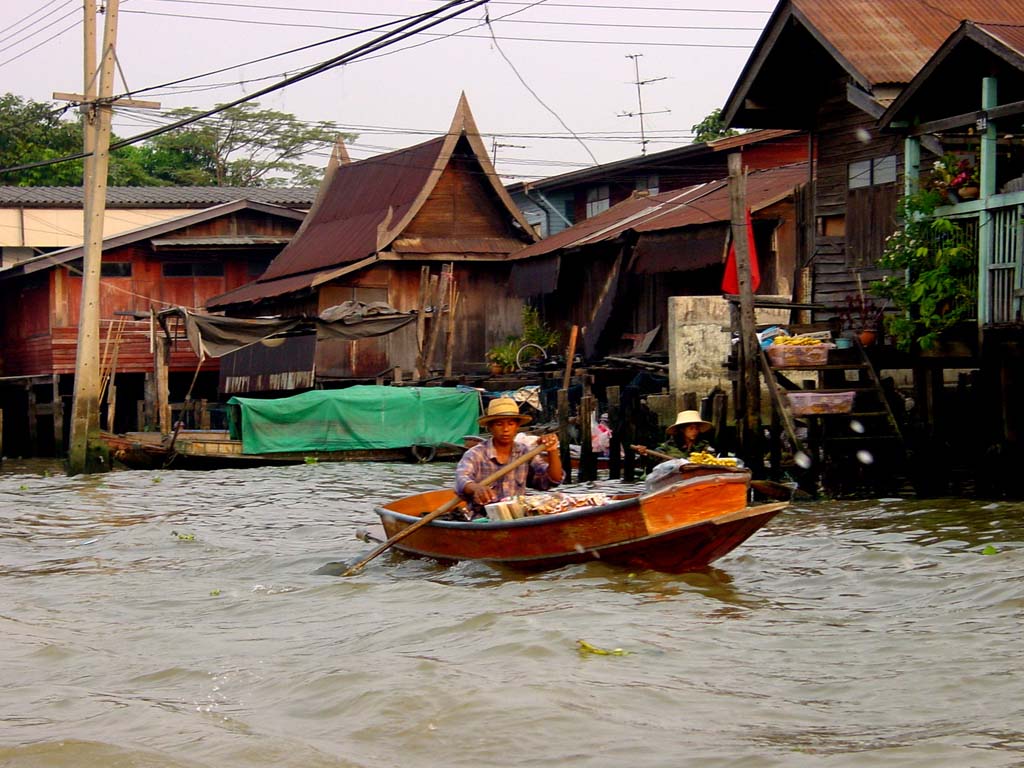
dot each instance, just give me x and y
(480, 461)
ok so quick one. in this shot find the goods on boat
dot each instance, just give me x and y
(680, 525)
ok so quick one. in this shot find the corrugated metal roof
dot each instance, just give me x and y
(693, 206)
(157, 197)
(947, 84)
(358, 198)
(1010, 35)
(666, 157)
(888, 41)
(877, 42)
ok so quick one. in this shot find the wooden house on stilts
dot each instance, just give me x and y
(426, 228)
(887, 90)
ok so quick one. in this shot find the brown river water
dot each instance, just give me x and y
(158, 619)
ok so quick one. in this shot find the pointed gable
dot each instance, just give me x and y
(441, 196)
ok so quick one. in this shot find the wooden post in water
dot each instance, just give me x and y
(58, 417)
(588, 461)
(751, 425)
(630, 412)
(615, 444)
(421, 320)
(563, 434)
(449, 348)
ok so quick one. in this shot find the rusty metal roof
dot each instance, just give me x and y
(156, 197)
(947, 85)
(876, 42)
(362, 208)
(888, 41)
(358, 198)
(694, 206)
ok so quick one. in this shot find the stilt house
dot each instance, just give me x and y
(177, 262)
(377, 228)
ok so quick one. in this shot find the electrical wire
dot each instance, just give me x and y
(427, 20)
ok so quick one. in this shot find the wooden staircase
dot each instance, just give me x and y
(862, 450)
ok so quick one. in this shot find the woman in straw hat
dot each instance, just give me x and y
(503, 420)
(684, 437)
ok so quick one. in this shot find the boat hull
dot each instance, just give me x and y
(212, 449)
(681, 527)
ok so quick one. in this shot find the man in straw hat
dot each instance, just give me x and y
(684, 437)
(503, 420)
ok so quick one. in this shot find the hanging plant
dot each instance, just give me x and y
(932, 285)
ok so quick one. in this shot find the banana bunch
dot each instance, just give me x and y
(795, 341)
(700, 457)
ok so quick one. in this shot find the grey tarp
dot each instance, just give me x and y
(216, 336)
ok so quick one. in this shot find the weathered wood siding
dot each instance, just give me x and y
(41, 310)
(849, 245)
(845, 135)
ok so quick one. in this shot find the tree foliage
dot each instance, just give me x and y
(712, 127)
(243, 146)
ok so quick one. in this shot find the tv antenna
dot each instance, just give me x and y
(494, 149)
(639, 100)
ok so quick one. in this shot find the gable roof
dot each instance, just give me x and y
(667, 157)
(694, 206)
(48, 260)
(363, 207)
(877, 43)
(948, 84)
(156, 197)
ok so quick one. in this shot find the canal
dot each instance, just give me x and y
(167, 619)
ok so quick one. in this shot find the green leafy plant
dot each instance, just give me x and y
(536, 332)
(933, 270)
(507, 355)
(504, 355)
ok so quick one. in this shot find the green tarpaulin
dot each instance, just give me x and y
(356, 418)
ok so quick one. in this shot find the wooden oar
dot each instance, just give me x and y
(444, 508)
(769, 488)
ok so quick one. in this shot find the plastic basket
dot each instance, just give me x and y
(792, 356)
(815, 403)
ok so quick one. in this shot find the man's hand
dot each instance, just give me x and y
(550, 443)
(481, 494)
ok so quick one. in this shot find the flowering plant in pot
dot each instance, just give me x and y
(954, 177)
(933, 268)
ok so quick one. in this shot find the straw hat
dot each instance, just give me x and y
(503, 408)
(689, 417)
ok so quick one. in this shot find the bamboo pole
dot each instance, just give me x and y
(449, 350)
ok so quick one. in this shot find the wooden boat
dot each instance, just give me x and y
(214, 449)
(683, 525)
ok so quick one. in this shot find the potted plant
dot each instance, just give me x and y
(502, 357)
(862, 315)
(932, 279)
(955, 178)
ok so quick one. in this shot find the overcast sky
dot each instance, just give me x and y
(572, 54)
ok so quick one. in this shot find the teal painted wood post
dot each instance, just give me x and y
(911, 164)
(988, 187)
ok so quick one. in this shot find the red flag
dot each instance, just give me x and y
(730, 281)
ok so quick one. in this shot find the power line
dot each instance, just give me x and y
(13, 28)
(336, 12)
(428, 20)
(464, 36)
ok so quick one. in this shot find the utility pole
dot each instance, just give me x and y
(639, 100)
(87, 453)
(748, 422)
